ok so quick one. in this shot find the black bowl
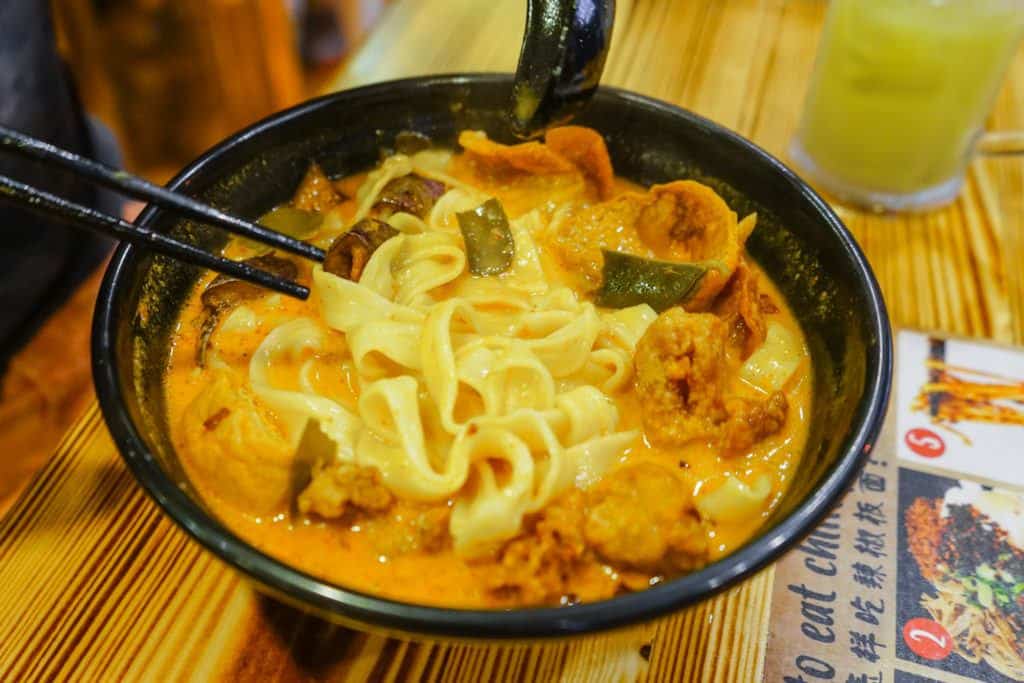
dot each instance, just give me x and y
(799, 241)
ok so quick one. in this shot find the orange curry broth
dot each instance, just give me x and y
(361, 555)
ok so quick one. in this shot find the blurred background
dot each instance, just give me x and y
(172, 77)
(168, 78)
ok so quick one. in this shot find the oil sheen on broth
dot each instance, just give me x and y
(519, 380)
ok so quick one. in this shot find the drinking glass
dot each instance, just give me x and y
(899, 96)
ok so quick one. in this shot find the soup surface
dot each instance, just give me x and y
(519, 379)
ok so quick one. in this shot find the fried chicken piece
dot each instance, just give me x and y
(740, 305)
(316, 192)
(408, 528)
(586, 149)
(430, 528)
(340, 488)
(530, 157)
(566, 149)
(680, 221)
(679, 363)
(579, 239)
(688, 221)
(537, 566)
(642, 517)
(752, 420)
(767, 305)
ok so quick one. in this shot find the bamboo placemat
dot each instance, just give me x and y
(98, 585)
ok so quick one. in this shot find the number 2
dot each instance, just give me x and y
(927, 639)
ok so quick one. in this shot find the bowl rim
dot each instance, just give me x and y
(372, 611)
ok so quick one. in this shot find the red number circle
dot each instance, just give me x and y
(925, 443)
(927, 639)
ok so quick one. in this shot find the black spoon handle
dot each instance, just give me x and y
(560, 65)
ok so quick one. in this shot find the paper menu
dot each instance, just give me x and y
(919, 574)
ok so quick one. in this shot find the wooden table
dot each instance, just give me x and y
(98, 585)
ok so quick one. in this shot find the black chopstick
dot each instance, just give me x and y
(134, 186)
(52, 205)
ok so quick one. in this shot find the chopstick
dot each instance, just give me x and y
(43, 202)
(139, 188)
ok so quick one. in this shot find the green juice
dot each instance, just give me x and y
(901, 90)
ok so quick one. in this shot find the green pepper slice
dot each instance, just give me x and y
(489, 243)
(291, 221)
(630, 280)
(287, 220)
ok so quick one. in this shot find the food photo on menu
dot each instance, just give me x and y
(961, 406)
(962, 586)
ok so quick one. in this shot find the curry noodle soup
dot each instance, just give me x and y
(519, 380)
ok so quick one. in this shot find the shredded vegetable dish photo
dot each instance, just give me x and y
(969, 545)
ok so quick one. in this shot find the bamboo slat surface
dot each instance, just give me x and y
(98, 585)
